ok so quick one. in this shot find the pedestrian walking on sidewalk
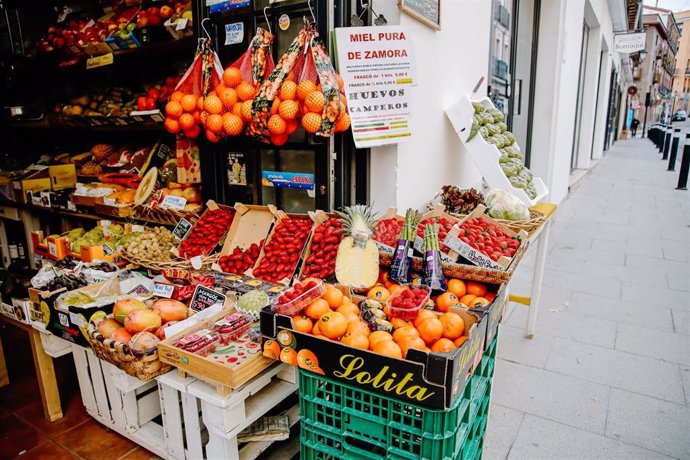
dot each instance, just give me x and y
(633, 126)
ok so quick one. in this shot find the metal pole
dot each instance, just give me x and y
(674, 149)
(667, 143)
(684, 166)
(646, 105)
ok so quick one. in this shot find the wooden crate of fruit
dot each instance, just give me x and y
(245, 238)
(230, 368)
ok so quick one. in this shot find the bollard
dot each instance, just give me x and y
(684, 166)
(660, 138)
(652, 134)
(674, 150)
(675, 145)
(667, 143)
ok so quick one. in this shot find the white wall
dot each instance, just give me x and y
(449, 63)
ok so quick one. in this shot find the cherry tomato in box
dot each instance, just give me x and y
(324, 248)
(283, 251)
(206, 233)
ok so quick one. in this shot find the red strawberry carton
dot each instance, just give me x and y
(445, 224)
(387, 231)
(245, 238)
(207, 232)
(284, 248)
(485, 242)
(322, 247)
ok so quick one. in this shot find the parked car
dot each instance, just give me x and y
(680, 115)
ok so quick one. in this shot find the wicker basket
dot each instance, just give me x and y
(467, 272)
(182, 264)
(162, 216)
(536, 220)
(144, 366)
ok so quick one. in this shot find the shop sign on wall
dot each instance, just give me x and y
(629, 43)
(304, 181)
(378, 67)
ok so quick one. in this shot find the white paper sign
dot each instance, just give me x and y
(378, 68)
(176, 203)
(163, 290)
(234, 33)
(629, 43)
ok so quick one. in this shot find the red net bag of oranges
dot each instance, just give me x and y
(228, 106)
(302, 90)
(186, 105)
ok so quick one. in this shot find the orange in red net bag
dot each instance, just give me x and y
(302, 90)
(184, 110)
(228, 106)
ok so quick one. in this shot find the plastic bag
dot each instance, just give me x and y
(228, 106)
(510, 166)
(503, 205)
(307, 86)
(184, 109)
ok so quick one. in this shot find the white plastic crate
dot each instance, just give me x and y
(486, 155)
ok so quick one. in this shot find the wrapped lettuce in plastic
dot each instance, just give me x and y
(478, 108)
(503, 127)
(511, 166)
(531, 191)
(513, 152)
(517, 182)
(484, 132)
(503, 205)
(492, 128)
(526, 175)
(486, 118)
(497, 115)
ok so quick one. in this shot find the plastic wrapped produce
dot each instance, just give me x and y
(511, 166)
(497, 115)
(503, 205)
(502, 127)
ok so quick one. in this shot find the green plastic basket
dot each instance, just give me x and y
(346, 422)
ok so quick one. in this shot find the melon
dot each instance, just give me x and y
(146, 186)
(143, 341)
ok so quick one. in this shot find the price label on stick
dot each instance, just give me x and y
(163, 290)
(205, 297)
(182, 228)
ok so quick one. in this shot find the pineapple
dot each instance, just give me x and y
(357, 262)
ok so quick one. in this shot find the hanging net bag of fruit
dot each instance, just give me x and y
(186, 105)
(319, 91)
(229, 105)
(267, 123)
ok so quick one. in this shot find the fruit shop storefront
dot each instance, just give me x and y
(234, 216)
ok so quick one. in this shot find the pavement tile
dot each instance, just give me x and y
(667, 297)
(656, 263)
(564, 399)
(676, 250)
(685, 377)
(543, 439)
(590, 254)
(621, 310)
(679, 281)
(501, 430)
(615, 368)
(632, 415)
(514, 347)
(681, 321)
(666, 346)
(569, 325)
(651, 248)
(624, 274)
(583, 282)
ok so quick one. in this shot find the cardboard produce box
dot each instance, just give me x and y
(493, 313)
(475, 256)
(250, 226)
(19, 310)
(447, 256)
(432, 380)
(391, 213)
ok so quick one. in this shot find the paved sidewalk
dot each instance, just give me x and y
(608, 372)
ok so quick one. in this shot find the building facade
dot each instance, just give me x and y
(681, 79)
(654, 71)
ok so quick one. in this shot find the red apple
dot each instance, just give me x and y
(166, 12)
(154, 11)
(59, 42)
(150, 103)
(142, 22)
(141, 103)
(179, 8)
(154, 20)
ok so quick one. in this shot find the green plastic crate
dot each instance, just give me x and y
(342, 421)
